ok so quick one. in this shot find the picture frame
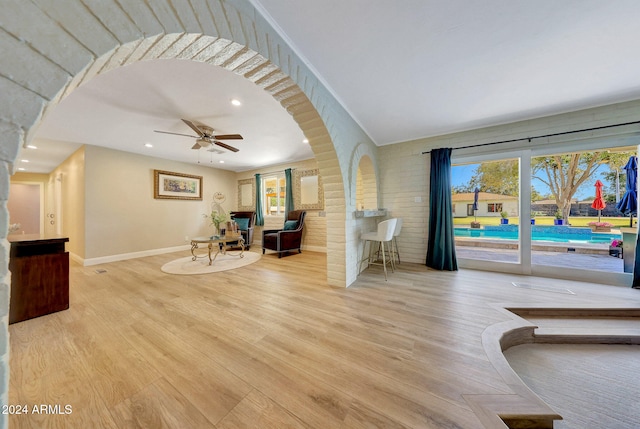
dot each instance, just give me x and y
(176, 186)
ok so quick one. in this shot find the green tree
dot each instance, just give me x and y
(498, 177)
(565, 173)
(537, 196)
(609, 192)
(617, 161)
(461, 189)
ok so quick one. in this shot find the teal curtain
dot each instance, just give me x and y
(441, 251)
(259, 210)
(288, 198)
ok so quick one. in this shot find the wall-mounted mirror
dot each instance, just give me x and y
(308, 190)
(246, 195)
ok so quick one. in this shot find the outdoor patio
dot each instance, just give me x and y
(590, 261)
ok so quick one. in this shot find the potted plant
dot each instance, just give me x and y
(504, 220)
(216, 219)
(615, 248)
(558, 218)
(475, 224)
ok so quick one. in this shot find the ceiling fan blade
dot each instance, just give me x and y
(195, 146)
(228, 137)
(226, 146)
(175, 134)
(194, 127)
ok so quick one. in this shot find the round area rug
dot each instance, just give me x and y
(201, 265)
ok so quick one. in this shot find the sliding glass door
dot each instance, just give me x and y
(543, 212)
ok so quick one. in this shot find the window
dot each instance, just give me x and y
(494, 207)
(273, 194)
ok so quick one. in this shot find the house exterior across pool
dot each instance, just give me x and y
(488, 204)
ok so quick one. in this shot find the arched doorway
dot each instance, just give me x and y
(69, 46)
(237, 59)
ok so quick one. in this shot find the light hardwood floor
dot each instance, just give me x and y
(271, 345)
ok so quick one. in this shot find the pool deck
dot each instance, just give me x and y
(583, 257)
(545, 246)
(577, 254)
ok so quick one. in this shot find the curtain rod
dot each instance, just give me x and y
(542, 136)
(274, 172)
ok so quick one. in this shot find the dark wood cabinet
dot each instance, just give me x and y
(39, 277)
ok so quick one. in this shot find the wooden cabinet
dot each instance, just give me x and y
(39, 277)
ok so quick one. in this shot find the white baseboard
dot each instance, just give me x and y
(152, 252)
(125, 256)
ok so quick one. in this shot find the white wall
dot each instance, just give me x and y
(70, 178)
(123, 217)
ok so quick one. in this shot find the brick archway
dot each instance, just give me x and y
(52, 50)
(254, 67)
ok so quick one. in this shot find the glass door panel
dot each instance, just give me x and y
(573, 204)
(486, 210)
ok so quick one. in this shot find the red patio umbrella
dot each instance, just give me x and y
(598, 202)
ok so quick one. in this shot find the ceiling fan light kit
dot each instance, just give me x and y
(205, 137)
(203, 143)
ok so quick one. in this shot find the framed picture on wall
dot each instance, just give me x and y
(176, 186)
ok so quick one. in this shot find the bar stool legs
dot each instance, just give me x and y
(384, 234)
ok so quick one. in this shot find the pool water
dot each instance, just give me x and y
(557, 234)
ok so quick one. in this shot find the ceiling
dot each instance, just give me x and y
(403, 69)
(123, 108)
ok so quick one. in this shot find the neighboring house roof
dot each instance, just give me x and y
(482, 196)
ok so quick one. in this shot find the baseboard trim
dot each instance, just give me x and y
(152, 252)
(132, 255)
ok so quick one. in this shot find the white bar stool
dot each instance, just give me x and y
(384, 234)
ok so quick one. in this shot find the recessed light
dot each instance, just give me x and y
(21, 169)
(305, 141)
(32, 147)
(148, 145)
(236, 102)
(24, 160)
(221, 162)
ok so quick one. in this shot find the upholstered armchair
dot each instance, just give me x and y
(245, 221)
(287, 239)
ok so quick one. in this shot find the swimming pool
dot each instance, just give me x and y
(557, 234)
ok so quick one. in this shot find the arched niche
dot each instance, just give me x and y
(366, 185)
